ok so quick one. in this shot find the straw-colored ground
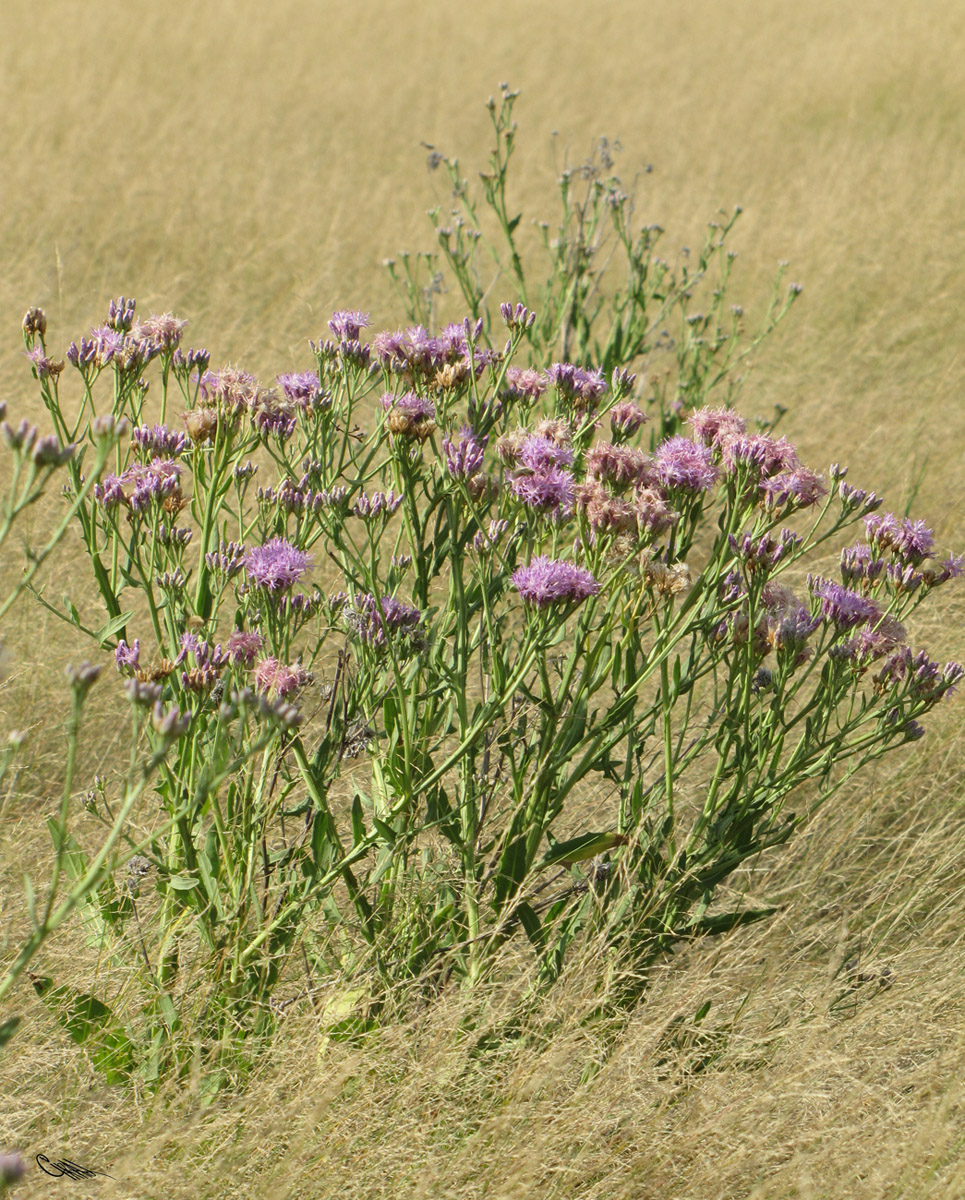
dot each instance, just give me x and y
(249, 166)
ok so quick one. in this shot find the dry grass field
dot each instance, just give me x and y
(249, 166)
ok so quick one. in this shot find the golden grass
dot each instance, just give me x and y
(249, 166)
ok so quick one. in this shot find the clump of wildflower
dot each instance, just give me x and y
(303, 389)
(548, 581)
(604, 512)
(275, 566)
(272, 418)
(162, 330)
(799, 488)
(844, 608)
(227, 560)
(274, 678)
(685, 466)
(377, 505)
(523, 383)
(230, 389)
(550, 490)
(143, 485)
(127, 658)
(581, 388)
(44, 366)
(717, 427)
(620, 465)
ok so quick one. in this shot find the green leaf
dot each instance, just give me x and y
(386, 832)
(531, 923)
(725, 922)
(91, 1024)
(7, 1029)
(358, 821)
(182, 883)
(574, 850)
(114, 625)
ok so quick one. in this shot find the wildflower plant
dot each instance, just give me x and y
(592, 289)
(392, 629)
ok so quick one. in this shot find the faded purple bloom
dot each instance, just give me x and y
(604, 511)
(276, 565)
(844, 608)
(854, 498)
(909, 540)
(486, 540)
(904, 577)
(523, 383)
(243, 646)
(620, 465)
(683, 465)
(625, 419)
(859, 564)
(44, 366)
(537, 453)
(765, 552)
(464, 458)
(162, 329)
(766, 455)
(410, 405)
(273, 419)
(717, 427)
(159, 440)
(231, 388)
(654, 514)
(347, 324)
(801, 488)
(581, 387)
(274, 678)
(379, 504)
(374, 621)
(227, 560)
(549, 581)
(301, 389)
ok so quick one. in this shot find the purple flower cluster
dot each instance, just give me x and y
(625, 419)
(161, 330)
(230, 389)
(445, 360)
(581, 388)
(620, 466)
(523, 383)
(271, 418)
(409, 415)
(275, 566)
(304, 390)
(910, 541)
(277, 679)
(159, 440)
(347, 324)
(464, 459)
(548, 581)
(685, 466)
(227, 560)
(375, 621)
(243, 646)
(378, 505)
(923, 678)
(844, 608)
(142, 485)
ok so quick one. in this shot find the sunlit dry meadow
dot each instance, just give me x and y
(250, 167)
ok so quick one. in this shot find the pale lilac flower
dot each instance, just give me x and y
(243, 646)
(128, 657)
(464, 458)
(581, 387)
(801, 488)
(859, 564)
(375, 621)
(348, 324)
(551, 489)
(227, 560)
(717, 427)
(909, 540)
(537, 453)
(42, 364)
(276, 565)
(683, 465)
(162, 329)
(766, 455)
(301, 389)
(410, 405)
(653, 510)
(523, 383)
(626, 418)
(159, 440)
(844, 608)
(274, 678)
(230, 387)
(605, 512)
(273, 419)
(620, 465)
(379, 504)
(549, 581)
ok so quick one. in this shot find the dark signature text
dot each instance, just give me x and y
(64, 1166)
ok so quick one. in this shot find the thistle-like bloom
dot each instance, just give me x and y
(620, 465)
(844, 608)
(548, 581)
(909, 540)
(301, 389)
(230, 388)
(163, 330)
(523, 383)
(347, 324)
(464, 458)
(581, 387)
(552, 490)
(625, 419)
(274, 678)
(717, 427)
(276, 565)
(409, 415)
(765, 455)
(683, 465)
(243, 646)
(271, 418)
(605, 512)
(374, 621)
(537, 453)
(799, 488)
(126, 656)
(44, 366)
(860, 566)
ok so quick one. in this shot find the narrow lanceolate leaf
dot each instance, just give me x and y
(574, 850)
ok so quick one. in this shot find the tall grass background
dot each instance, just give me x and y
(249, 167)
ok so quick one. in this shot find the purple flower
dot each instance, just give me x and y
(380, 504)
(581, 387)
(231, 388)
(619, 465)
(410, 405)
(909, 540)
(274, 678)
(374, 621)
(276, 565)
(717, 427)
(272, 419)
(551, 489)
(523, 383)
(800, 488)
(159, 440)
(128, 656)
(347, 324)
(549, 581)
(858, 564)
(625, 419)
(766, 455)
(684, 465)
(845, 608)
(537, 453)
(302, 389)
(163, 330)
(464, 458)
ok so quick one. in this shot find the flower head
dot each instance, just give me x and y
(549, 581)
(276, 565)
(684, 465)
